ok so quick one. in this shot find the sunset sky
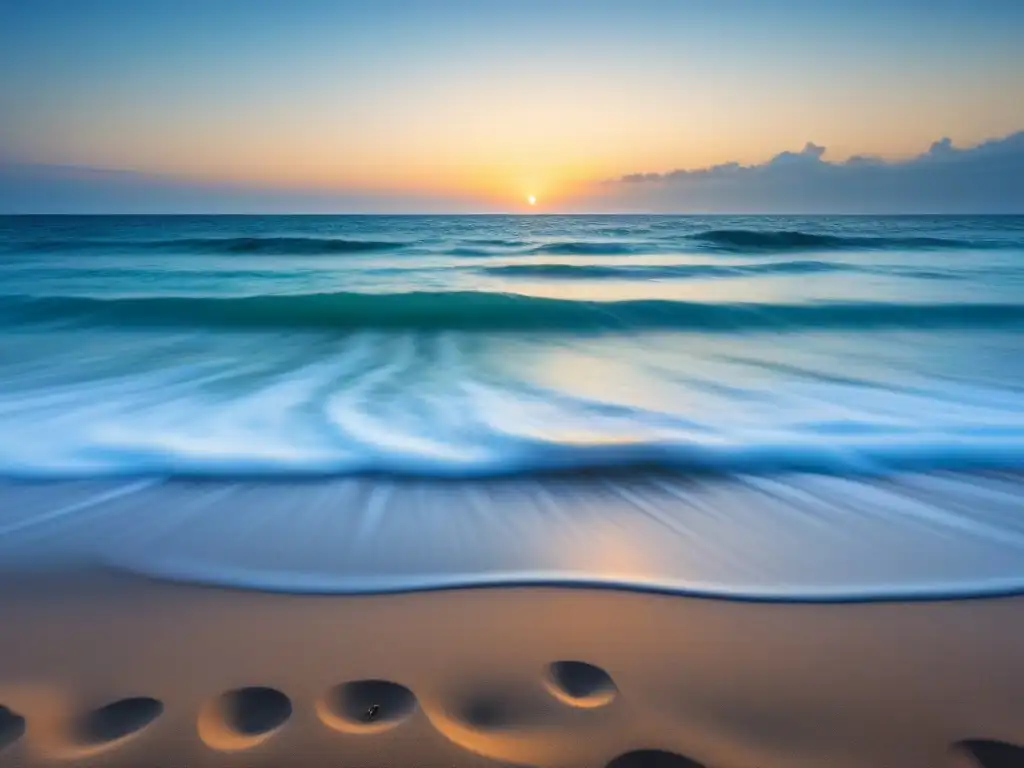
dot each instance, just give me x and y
(477, 104)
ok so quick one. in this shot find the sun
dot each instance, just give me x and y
(531, 199)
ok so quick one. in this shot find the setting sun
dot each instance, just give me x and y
(531, 199)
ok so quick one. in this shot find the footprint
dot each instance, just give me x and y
(12, 727)
(994, 754)
(489, 712)
(117, 720)
(652, 758)
(366, 706)
(243, 718)
(580, 684)
(519, 722)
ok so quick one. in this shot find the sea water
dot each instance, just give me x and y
(458, 346)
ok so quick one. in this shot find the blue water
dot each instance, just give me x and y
(493, 345)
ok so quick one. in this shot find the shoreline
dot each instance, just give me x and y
(797, 538)
(245, 583)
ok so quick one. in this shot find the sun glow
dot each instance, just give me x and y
(531, 199)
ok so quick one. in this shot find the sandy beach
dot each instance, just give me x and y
(102, 664)
(465, 678)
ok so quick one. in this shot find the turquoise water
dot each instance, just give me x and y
(480, 345)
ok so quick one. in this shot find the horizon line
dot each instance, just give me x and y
(524, 215)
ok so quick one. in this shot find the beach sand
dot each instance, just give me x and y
(103, 665)
(465, 678)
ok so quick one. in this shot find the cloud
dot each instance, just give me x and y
(987, 178)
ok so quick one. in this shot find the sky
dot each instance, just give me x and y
(474, 105)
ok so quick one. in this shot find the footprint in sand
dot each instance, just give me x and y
(993, 754)
(539, 719)
(580, 684)
(12, 727)
(652, 758)
(576, 684)
(366, 706)
(116, 721)
(243, 718)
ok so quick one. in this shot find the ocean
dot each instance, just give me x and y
(469, 346)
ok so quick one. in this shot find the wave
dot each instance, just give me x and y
(495, 242)
(486, 246)
(725, 240)
(478, 311)
(747, 240)
(755, 241)
(471, 251)
(275, 246)
(594, 271)
(572, 248)
(285, 246)
(590, 248)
